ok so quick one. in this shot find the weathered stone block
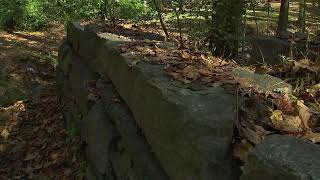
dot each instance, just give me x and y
(266, 49)
(79, 78)
(283, 158)
(144, 164)
(190, 132)
(265, 82)
(65, 58)
(98, 132)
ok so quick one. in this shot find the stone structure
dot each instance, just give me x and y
(159, 130)
(135, 121)
(283, 158)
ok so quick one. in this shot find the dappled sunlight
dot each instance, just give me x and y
(32, 130)
(32, 135)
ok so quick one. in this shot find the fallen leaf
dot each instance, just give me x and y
(261, 70)
(134, 63)
(291, 124)
(241, 150)
(5, 133)
(284, 122)
(313, 137)
(306, 64)
(313, 90)
(31, 156)
(276, 117)
(304, 114)
(285, 104)
(185, 55)
(2, 147)
(191, 72)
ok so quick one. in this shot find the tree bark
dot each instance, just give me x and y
(227, 28)
(283, 18)
(159, 13)
(302, 15)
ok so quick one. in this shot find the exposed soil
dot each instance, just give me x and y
(34, 141)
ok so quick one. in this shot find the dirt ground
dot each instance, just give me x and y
(34, 143)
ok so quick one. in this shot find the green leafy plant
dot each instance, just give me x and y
(134, 9)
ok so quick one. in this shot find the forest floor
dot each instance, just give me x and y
(34, 142)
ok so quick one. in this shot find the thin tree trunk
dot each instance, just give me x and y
(283, 18)
(302, 15)
(159, 12)
(253, 6)
(179, 25)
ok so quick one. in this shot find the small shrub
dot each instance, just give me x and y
(11, 13)
(22, 14)
(134, 9)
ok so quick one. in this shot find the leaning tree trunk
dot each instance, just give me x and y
(162, 23)
(283, 18)
(302, 15)
(227, 28)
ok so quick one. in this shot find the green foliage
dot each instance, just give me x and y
(11, 13)
(36, 14)
(34, 17)
(22, 14)
(134, 9)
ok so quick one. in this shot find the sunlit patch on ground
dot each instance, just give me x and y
(34, 143)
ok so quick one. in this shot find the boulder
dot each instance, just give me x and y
(264, 82)
(283, 158)
(267, 49)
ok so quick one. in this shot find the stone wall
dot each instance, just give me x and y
(136, 123)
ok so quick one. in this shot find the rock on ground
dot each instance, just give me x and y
(283, 158)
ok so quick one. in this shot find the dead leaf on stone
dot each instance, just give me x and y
(5, 133)
(244, 82)
(54, 157)
(115, 99)
(291, 124)
(191, 72)
(252, 136)
(91, 97)
(276, 117)
(313, 90)
(253, 133)
(306, 64)
(304, 114)
(204, 72)
(31, 156)
(284, 122)
(185, 55)
(2, 147)
(241, 150)
(313, 137)
(285, 104)
(134, 62)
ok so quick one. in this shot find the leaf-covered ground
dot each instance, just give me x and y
(34, 142)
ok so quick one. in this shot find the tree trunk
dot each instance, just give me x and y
(227, 28)
(283, 18)
(302, 15)
(159, 12)
(103, 11)
(178, 13)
